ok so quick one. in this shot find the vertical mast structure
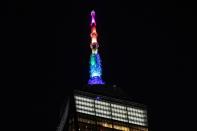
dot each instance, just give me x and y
(95, 60)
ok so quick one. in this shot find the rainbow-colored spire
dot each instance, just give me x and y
(95, 61)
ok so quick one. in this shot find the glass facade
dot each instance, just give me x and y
(108, 115)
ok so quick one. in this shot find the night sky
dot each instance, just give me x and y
(145, 46)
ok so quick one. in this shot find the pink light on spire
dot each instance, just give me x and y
(93, 17)
(94, 44)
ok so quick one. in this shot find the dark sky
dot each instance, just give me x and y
(145, 46)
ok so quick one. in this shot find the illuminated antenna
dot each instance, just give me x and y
(95, 61)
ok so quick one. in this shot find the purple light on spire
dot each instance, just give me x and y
(93, 17)
(96, 80)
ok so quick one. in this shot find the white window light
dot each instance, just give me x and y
(85, 112)
(102, 107)
(102, 103)
(84, 99)
(101, 111)
(85, 108)
(84, 103)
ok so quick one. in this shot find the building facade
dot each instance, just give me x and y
(98, 112)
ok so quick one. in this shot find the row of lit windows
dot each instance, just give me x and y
(102, 103)
(84, 103)
(119, 115)
(118, 106)
(103, 112)
(88, 106)
(119, 112)
(135, 110)
(103, 115)
(92, 109)
(84, 99)
(102, 107)
(136, 119)
(115, 126)
(85, 112)
(85, 108)
(136, 114)
(119, 119)
(137, 123)
(115, 116)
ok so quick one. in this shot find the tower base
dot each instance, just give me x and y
(95, 80)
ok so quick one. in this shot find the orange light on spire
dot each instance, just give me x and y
(94, 44)
(93, 35)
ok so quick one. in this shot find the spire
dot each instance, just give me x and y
(95, 61)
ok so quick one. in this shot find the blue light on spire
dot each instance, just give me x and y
(95, 70)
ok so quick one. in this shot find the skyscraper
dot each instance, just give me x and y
(98, 106)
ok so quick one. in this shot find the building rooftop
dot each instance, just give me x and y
(106, 92)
